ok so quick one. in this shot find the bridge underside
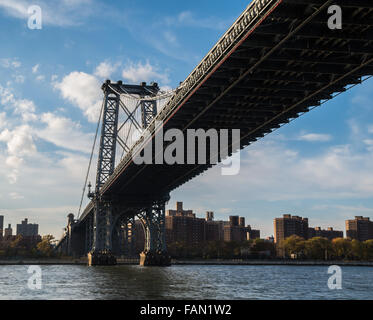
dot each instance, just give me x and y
(284, 63)
(288, 64)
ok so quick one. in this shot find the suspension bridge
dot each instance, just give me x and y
(279, 60)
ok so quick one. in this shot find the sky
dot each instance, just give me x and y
(319, 166)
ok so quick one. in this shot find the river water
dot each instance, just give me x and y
(183, 282)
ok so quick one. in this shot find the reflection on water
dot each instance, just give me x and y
(185, 282)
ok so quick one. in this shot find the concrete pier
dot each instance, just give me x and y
(101, 258)
(148, 259)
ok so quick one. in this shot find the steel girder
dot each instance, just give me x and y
(148, 112)
(123, 236)
(106, 158)
(154, 224)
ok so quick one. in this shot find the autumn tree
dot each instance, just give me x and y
(45, 247)
(341, 248)
(293, 245)
(317, 248)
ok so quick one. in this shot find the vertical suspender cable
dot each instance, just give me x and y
(90, 159)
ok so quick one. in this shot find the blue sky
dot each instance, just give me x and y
(319, 166)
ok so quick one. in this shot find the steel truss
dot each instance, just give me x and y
(148, 112)
(154, 224)
(124, 234)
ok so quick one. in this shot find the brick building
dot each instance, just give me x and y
(183, 226)
(290, 225)
(214, 230)
(8, 232)
(329, 233)
(26, 229)
(236, 230)
(252, 234)
(361, 228)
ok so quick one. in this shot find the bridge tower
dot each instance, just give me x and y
(105, 213)
(101, 251)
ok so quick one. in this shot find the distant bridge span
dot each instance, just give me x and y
(277, 61)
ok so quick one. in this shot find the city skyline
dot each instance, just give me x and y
(210, 215)
(318, 166)
(22, 228)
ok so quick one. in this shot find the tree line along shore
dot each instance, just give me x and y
(292, 248)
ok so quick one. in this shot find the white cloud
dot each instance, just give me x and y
(369, 144)
(19, 141)
(13, 162)
(25, 108)
(10, 62)
(32, 174)
(2, 119)
(19, 78)
(76, 166)
(170, 37)
(64, 133)
(84, 91)
(15, 196)
(315, 137)
(370, 129)
(40, 78)
(105, 69)
(6, 96)
(225, 210)
(272, 172)
(349, 209)
(35, 68)
(139, 72)
(22, 107)
(20, 144)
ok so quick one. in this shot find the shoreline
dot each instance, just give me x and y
(195, 262)
(274, 263)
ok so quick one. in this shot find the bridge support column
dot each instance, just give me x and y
(123, 236)
(101, 253)
(155, 252)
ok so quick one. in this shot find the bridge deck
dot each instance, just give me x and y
(277, 61)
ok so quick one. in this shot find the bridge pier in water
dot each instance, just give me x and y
(113, 229)
(155, 251)
(101, 253)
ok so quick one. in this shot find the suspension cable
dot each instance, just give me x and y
(90, 159)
